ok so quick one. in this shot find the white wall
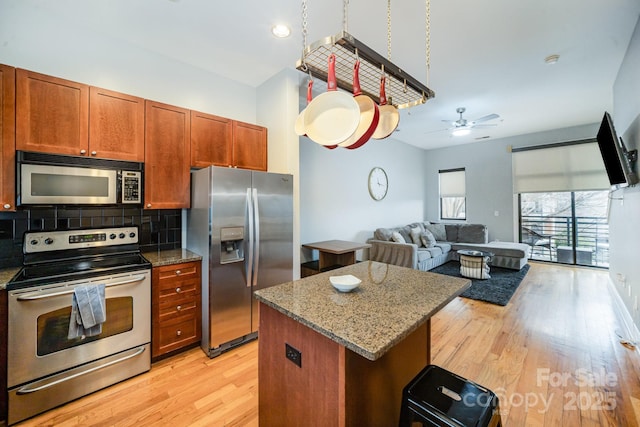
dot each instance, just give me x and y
(277, 109)
(489, 177)
(334, 197)
(624, 227)
(32, 39)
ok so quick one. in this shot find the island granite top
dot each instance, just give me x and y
(390, 303)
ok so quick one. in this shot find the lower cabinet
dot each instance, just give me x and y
(176, 311)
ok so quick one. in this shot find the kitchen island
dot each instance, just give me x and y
(328, 358)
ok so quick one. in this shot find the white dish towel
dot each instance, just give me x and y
(88, 311)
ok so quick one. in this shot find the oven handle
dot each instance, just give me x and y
(26, 389)
(37, 295)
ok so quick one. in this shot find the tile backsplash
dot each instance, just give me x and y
(159, 229)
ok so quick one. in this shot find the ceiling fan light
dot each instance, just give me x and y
(461, 132)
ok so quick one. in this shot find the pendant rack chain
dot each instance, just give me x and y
(428, 37)
(304, 32)
(389, 30)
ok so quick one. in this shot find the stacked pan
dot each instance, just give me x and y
(336, 119)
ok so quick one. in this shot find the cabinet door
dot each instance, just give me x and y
(211, 139)
(116, 125)
(166, 156)
(7, 138)
(249, 146)
(52, 115)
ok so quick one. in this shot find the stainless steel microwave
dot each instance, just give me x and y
(51, 179)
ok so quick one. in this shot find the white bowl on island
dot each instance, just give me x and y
(345, 283)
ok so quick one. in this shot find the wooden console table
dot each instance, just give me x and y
(336, 252)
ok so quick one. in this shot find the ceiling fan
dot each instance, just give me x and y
(463, 126)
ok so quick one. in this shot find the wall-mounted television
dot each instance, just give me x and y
(618, 162)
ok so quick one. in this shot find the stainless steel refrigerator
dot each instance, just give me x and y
(241, 222)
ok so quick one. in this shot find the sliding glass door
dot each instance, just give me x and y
(566, 227)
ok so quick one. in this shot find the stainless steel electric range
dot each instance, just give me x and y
(45, 368)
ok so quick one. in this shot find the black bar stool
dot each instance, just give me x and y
(437, 397)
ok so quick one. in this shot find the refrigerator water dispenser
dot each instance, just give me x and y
(231, 239)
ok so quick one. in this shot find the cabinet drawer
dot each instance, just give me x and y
(186, 270)
(178, 289)
(170, 308)
(178, 332)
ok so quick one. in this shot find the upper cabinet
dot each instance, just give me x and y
(52, 114)
(116, 125)
(65, 117)
(249, 146)
(211, 140)
(7, 138)
(167, 156)
(224, 142)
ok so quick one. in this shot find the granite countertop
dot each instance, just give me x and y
(7, 274)
(390, 303)
(170, 257)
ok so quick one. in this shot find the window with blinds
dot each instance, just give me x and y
(452, 194)
(573, 166)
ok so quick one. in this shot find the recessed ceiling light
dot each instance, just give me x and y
(552, 59)
(281, 31)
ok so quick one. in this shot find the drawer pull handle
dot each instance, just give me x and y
(178, 272)
(178, 332)
(178, 290)
(179, 308)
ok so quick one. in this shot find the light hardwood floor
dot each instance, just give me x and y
(552, 355)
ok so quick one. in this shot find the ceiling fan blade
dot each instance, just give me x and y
(485, 118)
(486, 125)
(437, 130)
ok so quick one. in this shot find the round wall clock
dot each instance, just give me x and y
(378, 183)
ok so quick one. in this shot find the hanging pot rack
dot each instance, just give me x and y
(403, 90)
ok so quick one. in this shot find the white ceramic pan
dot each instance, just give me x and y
(389, 116)
(332, 117)
(369, 114)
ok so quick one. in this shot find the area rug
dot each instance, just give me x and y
(497, 290)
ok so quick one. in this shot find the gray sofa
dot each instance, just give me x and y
(449, 238)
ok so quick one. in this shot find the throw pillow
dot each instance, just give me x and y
(405, 232)
(415, 236)
(382, 234)
(397, 237)
(427, 239)
(438, 231)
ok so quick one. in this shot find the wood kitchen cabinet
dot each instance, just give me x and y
(116, 125)
(7, 138)
(224, 142)
(249, 146)
(52, 114)
(166, 156)
(211, 140)
(176, 312)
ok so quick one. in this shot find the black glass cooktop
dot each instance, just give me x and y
(76, 269)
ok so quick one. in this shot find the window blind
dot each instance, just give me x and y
(574, 166)
(452, 183)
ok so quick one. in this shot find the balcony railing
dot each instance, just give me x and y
(557, 236)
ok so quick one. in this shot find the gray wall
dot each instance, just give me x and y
(489, 177)
(624, 224)
(334, 197)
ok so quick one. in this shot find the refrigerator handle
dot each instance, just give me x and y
(249, 262)
(256, 220)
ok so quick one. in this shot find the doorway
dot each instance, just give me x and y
(566, 227)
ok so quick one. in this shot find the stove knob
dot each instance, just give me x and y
(33, 242)
(48, 241)
(121, 235)
(132, 234)
(112, 236)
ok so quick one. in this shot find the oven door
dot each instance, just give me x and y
(39, 323)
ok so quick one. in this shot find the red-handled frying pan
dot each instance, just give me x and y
(389, 116)
(369, 114)
(299, 126)
(333, 116)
